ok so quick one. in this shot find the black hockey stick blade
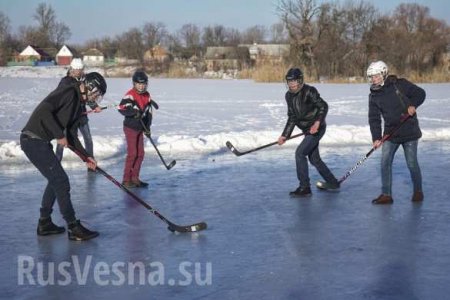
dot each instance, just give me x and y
(171, 165)
(233, 149)
(189, 228)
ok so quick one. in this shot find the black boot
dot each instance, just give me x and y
(301, 192)
(47, 227)
(140, 184)
(78, 232)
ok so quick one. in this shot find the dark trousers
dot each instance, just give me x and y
(41, 155)
(135, 153)
(309, 149)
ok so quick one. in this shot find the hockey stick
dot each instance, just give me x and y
(147, 134)
(172, 226)
(385, 138)
(93, 110)
(239, 153)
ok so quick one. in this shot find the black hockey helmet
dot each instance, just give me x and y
(95, 82)
(294, 74)
(140, 77)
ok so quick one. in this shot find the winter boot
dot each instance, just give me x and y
(140, 184)
(78, 232)
(417, 196)
(128, 184)
(329, 186)
(383, 199)
(47, 227)
(301, 192)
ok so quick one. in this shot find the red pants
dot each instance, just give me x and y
(135, 154)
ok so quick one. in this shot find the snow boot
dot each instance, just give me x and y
(128, 184)
(417, 196)
(301, 192)
(140, 184)
(47, 227)
(78, 232)
(329, 186)
(383, 199)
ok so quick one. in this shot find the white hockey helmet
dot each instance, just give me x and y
(376, 68)
(77, 64)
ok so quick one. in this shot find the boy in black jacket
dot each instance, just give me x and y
(57, 117)
(306, 110)
(393, 99)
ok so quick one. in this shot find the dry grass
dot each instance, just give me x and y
(180, 71)
(269, 73)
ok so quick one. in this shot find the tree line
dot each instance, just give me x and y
(328, 39)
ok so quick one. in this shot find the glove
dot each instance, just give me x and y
(137, 115)
(148, 133)
(154, 104)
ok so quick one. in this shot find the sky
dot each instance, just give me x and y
(90, 19)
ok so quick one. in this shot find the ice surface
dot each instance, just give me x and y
(260, 243)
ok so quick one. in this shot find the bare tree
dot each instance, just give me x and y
(131, 44)
(45, 16)
(214, 36)
(59, 34)
(189, 35)
(49, 32)
(278, 33)
(298, 16)
(254, 34)
(233, 37)
(4, 37)
(29, 35)
(4, 27)
(154, 34)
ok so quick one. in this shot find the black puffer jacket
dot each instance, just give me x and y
(304, 108)
(391, 101)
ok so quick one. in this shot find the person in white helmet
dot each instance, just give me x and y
(76, 74)
(392, 99)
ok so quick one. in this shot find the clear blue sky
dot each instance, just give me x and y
(111, 17)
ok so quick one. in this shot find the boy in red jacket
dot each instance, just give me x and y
(136, 108)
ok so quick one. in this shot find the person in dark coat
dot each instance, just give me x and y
(75, 74)
(306, 110)
(394, 100)
(57, 117)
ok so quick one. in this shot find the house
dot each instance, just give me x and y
(35, 54)
(226, 58)
(157, 54)
(64, 56)
(93, 57)
(122, 60)
(268, 53)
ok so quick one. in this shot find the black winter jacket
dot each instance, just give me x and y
(304, 108)
(391, 101)
(69, 80)
(59, 112)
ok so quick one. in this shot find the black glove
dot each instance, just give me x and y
(148, 133)
(154, 104)
(138, 115)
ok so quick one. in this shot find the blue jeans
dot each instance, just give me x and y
(309, 149)
(41, 154)
(88, 144)
(387, 157)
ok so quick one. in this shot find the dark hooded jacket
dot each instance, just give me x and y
(59, 112)
(304, 108)
(391, 102)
